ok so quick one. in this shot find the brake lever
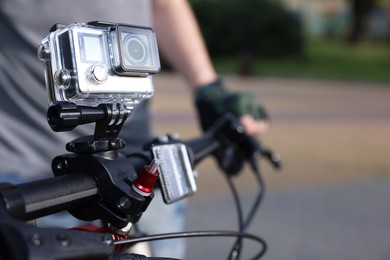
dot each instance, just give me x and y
(230, 133)
(274, 158)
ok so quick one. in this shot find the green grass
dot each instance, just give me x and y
(325, 60)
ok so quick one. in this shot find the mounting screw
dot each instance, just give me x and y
(124, 203)
(36, 240)
(107, 240)
(60, 165)
(63, 239)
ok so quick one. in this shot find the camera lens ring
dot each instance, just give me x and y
(135, 50)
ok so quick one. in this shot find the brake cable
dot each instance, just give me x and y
(241, 235)
(243, 225)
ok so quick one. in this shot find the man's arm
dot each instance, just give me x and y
(182, 45)
(181, 42)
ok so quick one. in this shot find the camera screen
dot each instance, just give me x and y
(91, 47)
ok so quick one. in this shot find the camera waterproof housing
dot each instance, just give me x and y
(99, 63)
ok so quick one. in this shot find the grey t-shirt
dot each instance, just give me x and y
(27, 144)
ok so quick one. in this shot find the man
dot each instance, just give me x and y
(27, 143)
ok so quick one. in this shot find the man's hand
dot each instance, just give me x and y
(213, 101)
(254, 127)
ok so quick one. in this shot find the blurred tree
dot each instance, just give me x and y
(360, 11)
(249, 29)
(384, 3)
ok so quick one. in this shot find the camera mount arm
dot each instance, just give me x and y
(109, 118)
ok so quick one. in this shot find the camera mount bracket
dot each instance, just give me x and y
(98, 156)
(109, 119)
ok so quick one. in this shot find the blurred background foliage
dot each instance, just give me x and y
(258, 27)
(337, 39)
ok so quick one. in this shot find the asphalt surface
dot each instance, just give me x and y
(349, 221)
(330, 201)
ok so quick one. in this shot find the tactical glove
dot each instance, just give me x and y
(213, 101)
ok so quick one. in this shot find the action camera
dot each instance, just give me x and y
(95, 63)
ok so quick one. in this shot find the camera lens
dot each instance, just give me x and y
(135, 50)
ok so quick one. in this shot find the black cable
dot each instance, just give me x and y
(236, 249)
(198, 234)
(260, 195)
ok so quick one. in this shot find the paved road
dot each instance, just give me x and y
(331, 199)
(348, 221)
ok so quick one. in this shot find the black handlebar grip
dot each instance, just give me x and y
(43, 197)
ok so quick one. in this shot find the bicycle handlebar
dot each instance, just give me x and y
(79, 180)
(91, 175)
(91, 186)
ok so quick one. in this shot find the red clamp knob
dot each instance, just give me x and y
(148, 176)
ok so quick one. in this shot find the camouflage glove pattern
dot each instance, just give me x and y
(213, 101)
